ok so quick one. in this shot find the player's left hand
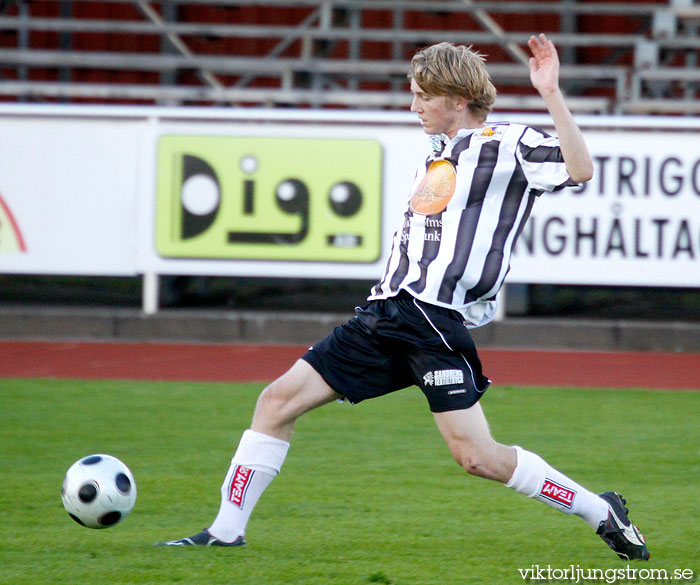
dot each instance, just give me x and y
(544, 64)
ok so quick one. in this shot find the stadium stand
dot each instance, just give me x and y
(618, 57)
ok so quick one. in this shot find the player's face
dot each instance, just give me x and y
(438, 114)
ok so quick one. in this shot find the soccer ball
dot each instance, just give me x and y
(99, 491)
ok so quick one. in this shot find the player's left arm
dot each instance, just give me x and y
(544, 75)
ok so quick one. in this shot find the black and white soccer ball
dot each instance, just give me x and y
(99, 491)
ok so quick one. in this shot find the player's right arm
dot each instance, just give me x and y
(544, 75)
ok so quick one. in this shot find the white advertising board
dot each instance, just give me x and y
(68, 192)
(291, 200)
(121, 190)
(636, 222)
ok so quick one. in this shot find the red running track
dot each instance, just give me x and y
(245, 363)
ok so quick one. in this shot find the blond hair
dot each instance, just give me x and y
(455, 71)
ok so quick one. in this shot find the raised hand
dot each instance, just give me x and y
(544, 75)
(544, 64)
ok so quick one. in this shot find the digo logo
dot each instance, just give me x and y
(239, 485)
(257, 198)
(557, 493)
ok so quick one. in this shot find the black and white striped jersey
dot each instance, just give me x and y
(468, 205)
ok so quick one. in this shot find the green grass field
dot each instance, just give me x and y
(368, 494)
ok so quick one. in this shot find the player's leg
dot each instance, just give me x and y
(469, 439)
(350, 360)
(279, 405)
(261, 452)
(450, 376)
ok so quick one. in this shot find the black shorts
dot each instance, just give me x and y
(398, 342)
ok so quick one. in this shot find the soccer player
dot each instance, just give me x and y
(469, 202)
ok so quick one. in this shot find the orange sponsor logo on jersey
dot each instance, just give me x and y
(436, 189)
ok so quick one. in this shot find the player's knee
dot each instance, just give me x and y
(464, 457)
(470, 462)
(272, 402)
(281, 400)
(473, 460)
(490, 461)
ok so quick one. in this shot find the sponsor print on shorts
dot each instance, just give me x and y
(239, 485)
(557, 493)
(443, 378)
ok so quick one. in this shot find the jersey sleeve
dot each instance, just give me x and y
(542, 162)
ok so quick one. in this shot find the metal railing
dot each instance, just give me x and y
(658, 75)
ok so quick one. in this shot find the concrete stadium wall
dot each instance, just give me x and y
(256, 327)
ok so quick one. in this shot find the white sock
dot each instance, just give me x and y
(535, 478)
(256, 463)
